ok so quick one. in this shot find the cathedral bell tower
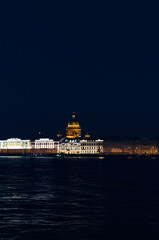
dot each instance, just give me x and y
(73, 129)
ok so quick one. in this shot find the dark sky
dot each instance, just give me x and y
(99, 59)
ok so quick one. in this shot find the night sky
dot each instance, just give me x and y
(98, 59)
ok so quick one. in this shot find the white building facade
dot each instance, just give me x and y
(15, 143)
(76, 146)
(45, 143)
(89, 146)
(66, 146)
(70, 147)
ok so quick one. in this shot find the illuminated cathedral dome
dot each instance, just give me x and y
(87, 135)
(73, 129)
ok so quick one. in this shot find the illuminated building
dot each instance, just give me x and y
(84, 146)
(70, 146)
(145, 146)
(90, 146)
(15, 143)
(44, 143)
(118, 146)
(131, 146)
(73, 129)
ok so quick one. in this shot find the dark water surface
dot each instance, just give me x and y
(48, 198)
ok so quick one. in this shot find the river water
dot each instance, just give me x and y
(79, 198)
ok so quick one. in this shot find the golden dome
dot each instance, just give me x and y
(73, 129)
(87, 135)
(73, 123)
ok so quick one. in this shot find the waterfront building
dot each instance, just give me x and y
(81, 146)
(15, 143)
(44, 143)
(117, 146)
(145, 146)
(131, 146)
(73, 129)
(70, 146)
(90, 146)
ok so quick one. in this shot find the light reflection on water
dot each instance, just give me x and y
(111, 198)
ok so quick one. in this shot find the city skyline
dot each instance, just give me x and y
(52, 130)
